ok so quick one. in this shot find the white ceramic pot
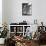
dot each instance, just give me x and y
(2, 40)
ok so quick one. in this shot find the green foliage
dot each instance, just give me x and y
(4, 32)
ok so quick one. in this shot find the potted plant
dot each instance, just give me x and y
(3, 34)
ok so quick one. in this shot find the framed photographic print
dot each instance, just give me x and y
(26, 9)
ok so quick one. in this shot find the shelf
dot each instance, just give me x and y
(19, 27)
(12, 32)
(16, 32)
(19, 32)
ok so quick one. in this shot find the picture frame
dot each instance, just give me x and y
(26, 9)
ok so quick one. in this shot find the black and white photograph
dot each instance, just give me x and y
(27, 9)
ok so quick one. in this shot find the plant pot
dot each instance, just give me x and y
(2, 40)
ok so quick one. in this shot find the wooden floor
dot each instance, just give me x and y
(36, 44)
(42, 45)
(1, 45)
(32, 45)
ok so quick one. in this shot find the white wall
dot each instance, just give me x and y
(13, 11)
(0, 13)
(39, 10)
(4, 11)
(16, 11)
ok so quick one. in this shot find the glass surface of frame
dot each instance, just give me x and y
(27, 9)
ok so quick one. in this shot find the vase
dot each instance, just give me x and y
(2, 40)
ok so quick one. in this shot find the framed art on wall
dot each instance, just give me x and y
(26, 9)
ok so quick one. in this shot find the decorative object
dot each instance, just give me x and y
(27, 9)
(28, 33)
(2, 40)
(4, 32)
(35, 21)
